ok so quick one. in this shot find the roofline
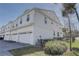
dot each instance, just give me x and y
(28, 12)
(54, 14)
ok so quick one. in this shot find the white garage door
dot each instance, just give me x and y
(14, 37)
(7, 37)
(26, 38)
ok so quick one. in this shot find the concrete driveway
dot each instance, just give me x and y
(5, 46)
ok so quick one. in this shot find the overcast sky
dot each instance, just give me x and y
(9, 12)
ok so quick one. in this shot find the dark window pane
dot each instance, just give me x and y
(16, 25)
(54, 33)
(45, 20)
(51, 22)
(57, 33)
(27, 17)
(21, 21)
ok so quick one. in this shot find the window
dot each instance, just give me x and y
(25, 32)
(14, 34)
(21, 21)
(8, 27)
(22, 33)
(12, 26)
(45, 20)
(16, 25)
(51, 22)
(57, 33)
(54, 33)
(27, 17)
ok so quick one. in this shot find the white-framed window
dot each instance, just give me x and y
(54, 33)
(24, 32)
(45, 20)
(21, 20)
(8, 27)
(51, 22)
(13, 26)
(14, 34)
(57, 33)
(16, 25)
(28, 18)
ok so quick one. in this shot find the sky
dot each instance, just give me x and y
(9, 12)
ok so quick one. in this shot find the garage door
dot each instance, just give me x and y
(14, 37)
(26, 38)
(7, 37)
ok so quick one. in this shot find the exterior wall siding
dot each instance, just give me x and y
(34, 29)
(46, 31)
(17, 32)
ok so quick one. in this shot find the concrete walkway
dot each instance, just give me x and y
(5, 46)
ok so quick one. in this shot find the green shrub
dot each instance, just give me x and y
(55, 47)
(47, 50)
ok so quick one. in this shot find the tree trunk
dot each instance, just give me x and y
(70, 33)
(76, 14)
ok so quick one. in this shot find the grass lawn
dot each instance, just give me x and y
(75, 44)
(39, 53)
(75, 49)
(33, 51)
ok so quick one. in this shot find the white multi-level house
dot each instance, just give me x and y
(32, 25)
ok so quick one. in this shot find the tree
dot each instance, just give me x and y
(65, 13)
(71, 7)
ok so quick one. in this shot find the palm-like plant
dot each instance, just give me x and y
(65, 13)
(71, 7)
